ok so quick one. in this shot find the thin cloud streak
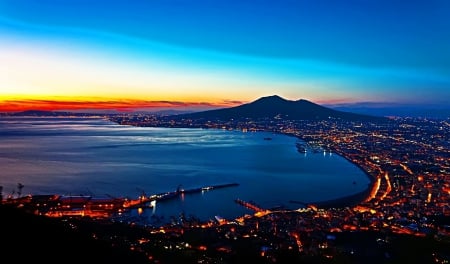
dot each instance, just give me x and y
(17, 105)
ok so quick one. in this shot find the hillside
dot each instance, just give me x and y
(278, 107)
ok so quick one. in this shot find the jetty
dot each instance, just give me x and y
(96, 207)
(144, 201)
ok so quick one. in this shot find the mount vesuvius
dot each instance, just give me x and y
(277, 107)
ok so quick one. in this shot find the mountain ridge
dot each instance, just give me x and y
(274, 106)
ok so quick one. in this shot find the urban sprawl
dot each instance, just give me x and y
(408, 160)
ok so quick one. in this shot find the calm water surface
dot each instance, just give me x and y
(101, 158)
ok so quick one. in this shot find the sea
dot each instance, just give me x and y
(94, 156)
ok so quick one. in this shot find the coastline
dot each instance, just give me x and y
(342, 202)
(349, 200)
(346, 201)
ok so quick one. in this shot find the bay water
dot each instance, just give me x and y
(93, 156)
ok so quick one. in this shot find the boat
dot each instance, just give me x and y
(300, 147)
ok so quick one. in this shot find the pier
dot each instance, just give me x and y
(206, 188)
(259, 211)
(88, 206)
(144, 200)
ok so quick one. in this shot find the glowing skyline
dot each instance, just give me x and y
(73, 55)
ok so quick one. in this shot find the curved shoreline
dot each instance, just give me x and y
(344, 201)
(341, 202)
(348, 200)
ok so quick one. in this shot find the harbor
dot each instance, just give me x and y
(222, 157)
(99, 207)
(146, 201)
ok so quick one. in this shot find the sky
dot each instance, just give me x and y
(154, 54)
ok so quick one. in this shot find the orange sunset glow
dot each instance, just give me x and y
(61, 104)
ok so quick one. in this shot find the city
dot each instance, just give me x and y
(408, 160)
(222, 132)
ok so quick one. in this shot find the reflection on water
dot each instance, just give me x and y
(94, 156)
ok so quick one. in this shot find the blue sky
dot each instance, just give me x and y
(216, 52)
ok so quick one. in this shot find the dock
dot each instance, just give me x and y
(144, 200)
(259, 211)
(86, 205)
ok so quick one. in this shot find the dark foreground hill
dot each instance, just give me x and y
(277, 107)
(29, 238)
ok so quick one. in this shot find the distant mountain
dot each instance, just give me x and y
(395, 109)
(42, 113)
(171, 112)
(37, 113)
(276, 107)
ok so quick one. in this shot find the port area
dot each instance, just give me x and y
(98, 207)
(147, 201)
